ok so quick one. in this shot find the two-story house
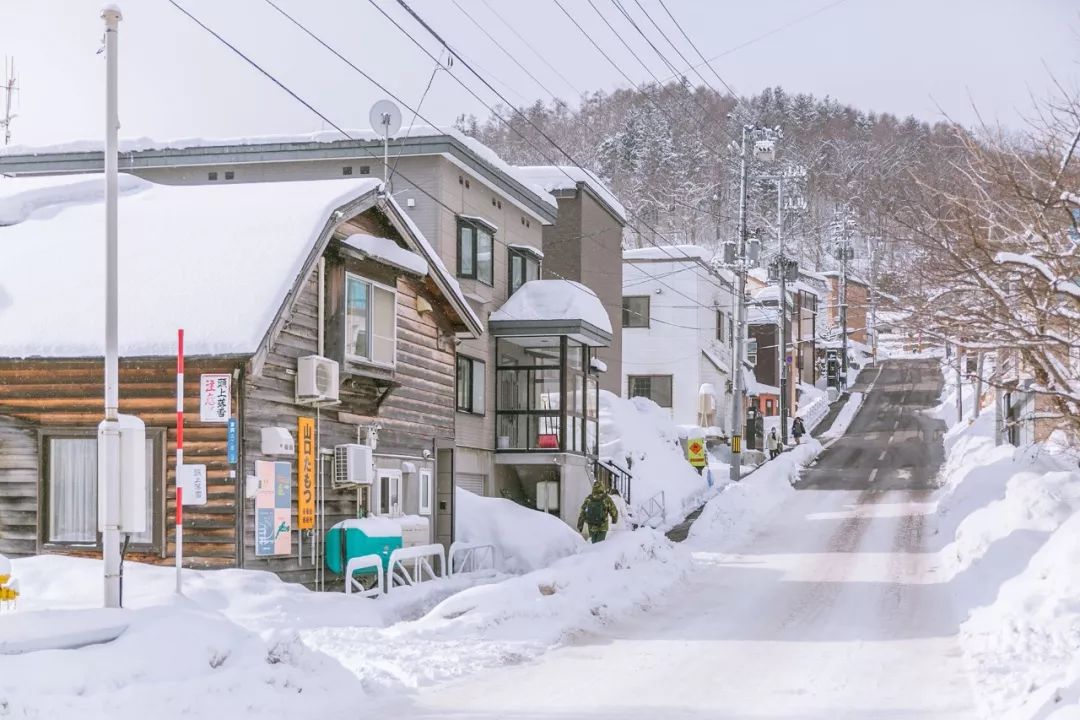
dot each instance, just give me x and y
(261, 278)
(678, 333)
(484, 218)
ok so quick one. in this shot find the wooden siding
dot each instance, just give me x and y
(42, 396)
(413, 403)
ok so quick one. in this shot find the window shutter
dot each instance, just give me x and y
(384, 331)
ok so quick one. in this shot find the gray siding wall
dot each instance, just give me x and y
(18, 488)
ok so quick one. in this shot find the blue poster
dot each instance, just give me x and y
(231, 442)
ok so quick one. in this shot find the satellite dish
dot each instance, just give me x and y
(385, 118)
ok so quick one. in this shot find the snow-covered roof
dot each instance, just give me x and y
(753, 387)
(527, 248)
(216, 260)
(760, 274)
(554, 300)
(851, 277)
(716, 360)
(132, 145)
(387, 251)
(801, 286)
(761, 315)
(553, 178)
(670, 252)
(598, 365)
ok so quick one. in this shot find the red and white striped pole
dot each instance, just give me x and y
(179, 455)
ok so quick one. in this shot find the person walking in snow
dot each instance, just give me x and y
(595, 511)
(772, 443)
(798, 430)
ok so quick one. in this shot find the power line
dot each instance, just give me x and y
(675, 47)
(702, 56)
(534, 50)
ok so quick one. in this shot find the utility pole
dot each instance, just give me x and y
(110, 429)
(764, 149)
(9, 92)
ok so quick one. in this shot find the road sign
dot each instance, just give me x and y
(695, 452)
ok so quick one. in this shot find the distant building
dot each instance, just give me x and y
(678, 332)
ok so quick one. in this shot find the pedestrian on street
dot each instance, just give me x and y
(595, 512)
(798, 430)
(773, 444)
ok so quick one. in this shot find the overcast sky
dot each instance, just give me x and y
(906, 57)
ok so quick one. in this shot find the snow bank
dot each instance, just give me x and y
(843, 420)
(732, 515)
(546, 178)
(626, 573)
(813, 405)
(524, 539)
(554, 300)
(642, 430)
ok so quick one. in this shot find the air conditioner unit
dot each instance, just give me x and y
(353, 465)
(316, 379)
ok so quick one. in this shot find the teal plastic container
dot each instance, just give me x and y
(364, 536)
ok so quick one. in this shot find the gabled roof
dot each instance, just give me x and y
(556, 179)
(553, 307)
(220, 261)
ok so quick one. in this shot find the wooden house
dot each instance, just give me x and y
(259, 276)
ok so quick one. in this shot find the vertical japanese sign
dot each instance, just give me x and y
(215, 398)
(273, 508)
(305, 499)
(232, 442)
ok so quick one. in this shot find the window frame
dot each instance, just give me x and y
(627, 312)
(526, 257)
(156, 546)
(477, 227)
(395, 477)
(372, 285)
(472, 396)
(671, 388)
(720, 326)
(427, 483)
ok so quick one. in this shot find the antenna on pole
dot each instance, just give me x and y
(9, 92)
(385, 119)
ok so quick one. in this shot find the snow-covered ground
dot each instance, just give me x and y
(642, 431)
(1008, 520)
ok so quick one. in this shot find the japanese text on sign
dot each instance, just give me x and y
(305, 501)
(215, 398)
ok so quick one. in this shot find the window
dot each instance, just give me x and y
(346, 170)
(635, 311)
(524, 266)
(370, 325)
(427, 491)
(730, 330)
(229, 174)
(211, 176)
(751, 351)
(475, 252)
(389, 500)
(655, 387)
(71, 487)
(470, 385)
(365, 169)
(720, 326)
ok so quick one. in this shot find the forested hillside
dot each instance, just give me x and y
(667, 152)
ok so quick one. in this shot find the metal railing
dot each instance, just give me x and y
(615, 477)
(364, 562)
(414, 565)
(655, 508)
(469, 558)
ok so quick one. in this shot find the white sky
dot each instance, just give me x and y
(908, 57)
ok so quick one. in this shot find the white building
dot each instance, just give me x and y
(678, 331)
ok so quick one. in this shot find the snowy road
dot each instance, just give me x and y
(828, 611)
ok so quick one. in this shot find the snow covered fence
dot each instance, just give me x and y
(414, 565)
(364, 562)
(470, 558)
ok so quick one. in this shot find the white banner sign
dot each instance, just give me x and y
(215, 398)
(193, 482)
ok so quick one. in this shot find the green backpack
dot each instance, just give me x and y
(595, 512)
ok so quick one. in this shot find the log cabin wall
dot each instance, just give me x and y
(42, 399)
(413, 403)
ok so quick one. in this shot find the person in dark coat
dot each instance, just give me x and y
(798, 430)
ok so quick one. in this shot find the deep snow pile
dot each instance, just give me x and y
(739, 507)
(1010, 518)
(642, 430)
(524, 539)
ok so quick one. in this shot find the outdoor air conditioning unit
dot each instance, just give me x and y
(316, 379)
(353, 465)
